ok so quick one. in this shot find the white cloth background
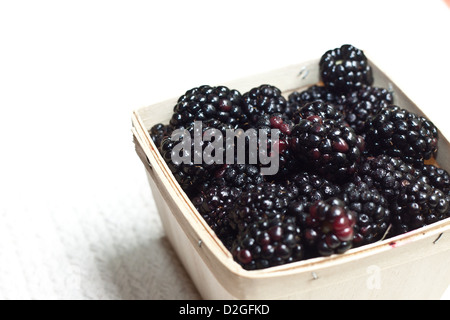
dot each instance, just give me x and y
(77, 220)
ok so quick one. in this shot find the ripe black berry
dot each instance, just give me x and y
(277, 145)
(158, 132)
(208, 103)
(372, 212)
(243, 176)
(266, 200)
(322, 109)
(389, 175)
(438, 177)
(269, 242)
(329, 227)
(263, 100)
(331, 148)
(418, 204)
(403, 134)
(345, 69)
(189, 174)
(362, 104)
(298, 99)
(213, 203)
(313, 187)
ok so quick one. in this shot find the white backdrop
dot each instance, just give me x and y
(77, 220)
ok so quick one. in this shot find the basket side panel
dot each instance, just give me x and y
(205, 281)
(416, 270)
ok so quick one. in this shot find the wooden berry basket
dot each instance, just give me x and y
(411, 266)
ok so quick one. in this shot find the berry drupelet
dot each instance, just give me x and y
(345, 69)
(403, 134)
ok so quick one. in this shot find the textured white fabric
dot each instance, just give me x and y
(77, 220)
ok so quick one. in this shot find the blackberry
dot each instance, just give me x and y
(189, 174)
(372, 212)
(313, 187)
(278, 122)
(212, 203)
(400, 133)
(158, 132)
(264, 201)
(275, 121)
(269, 242)
(297, 100)
(263, 100)
(438, 178)
(328, 227)
(329, 147)
(322, 109)
(288, 165)
(362, 104)
(389, 175)
(283, 127)
(345, 69)
(238, 175)
(414, 200)
(418, 204)
(208, 103)
(311, 94)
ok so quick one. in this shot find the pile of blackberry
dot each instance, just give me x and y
(353, 167)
